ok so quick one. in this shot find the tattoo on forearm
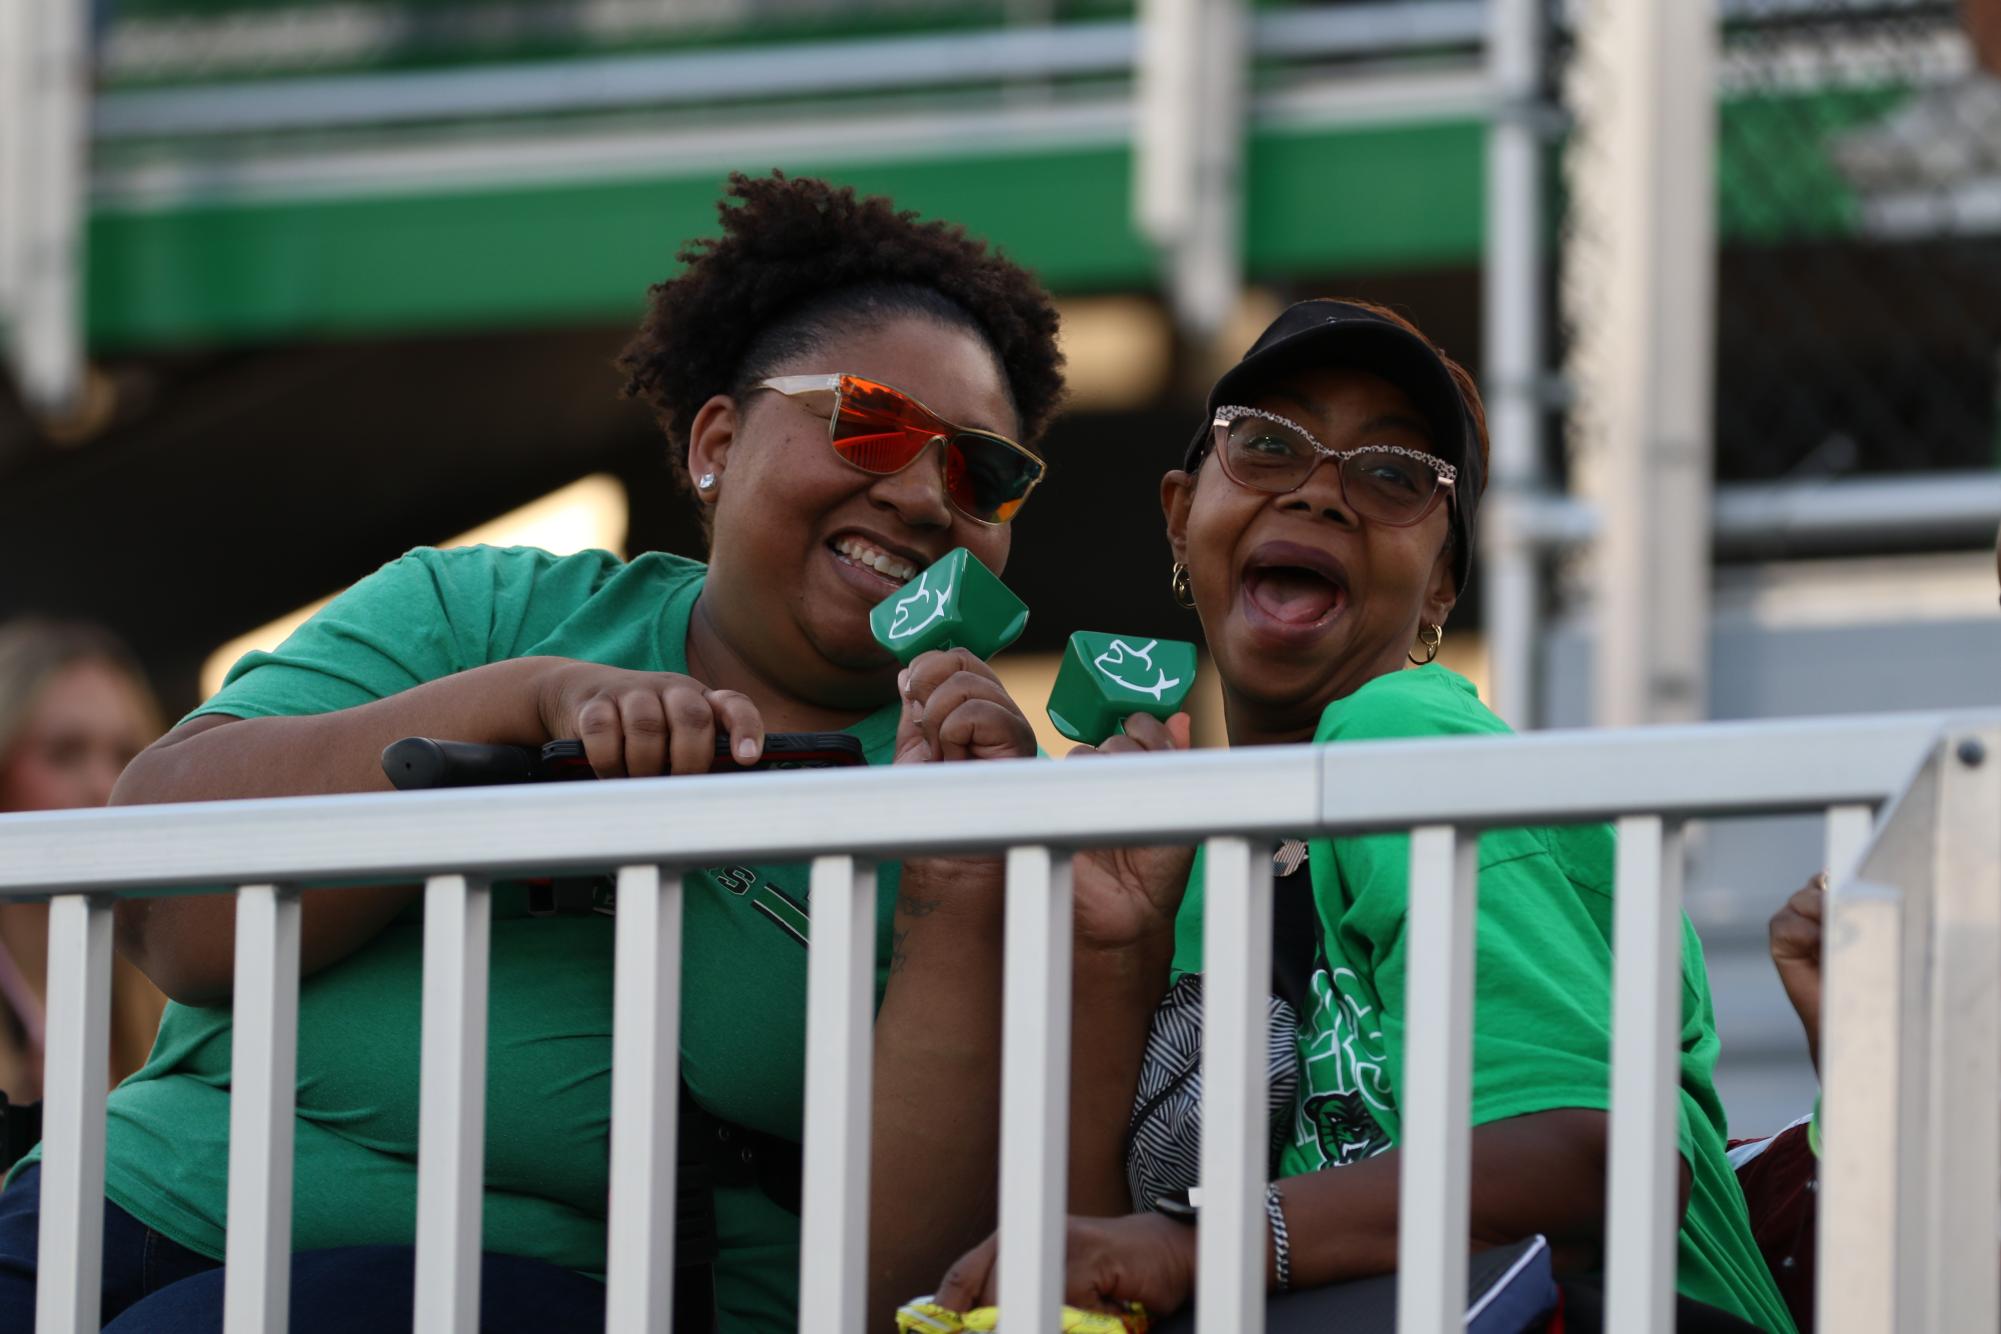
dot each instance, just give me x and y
(907, 905)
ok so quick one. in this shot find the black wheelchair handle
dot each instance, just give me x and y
(421, 762)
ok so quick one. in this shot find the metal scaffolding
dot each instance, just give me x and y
(1635, 263)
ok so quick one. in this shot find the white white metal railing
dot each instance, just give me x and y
(1912, 1049)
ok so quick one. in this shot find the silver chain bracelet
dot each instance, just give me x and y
(1281, 1243)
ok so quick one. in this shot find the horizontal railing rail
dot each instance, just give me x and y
(1928, 767)
(1552, 776)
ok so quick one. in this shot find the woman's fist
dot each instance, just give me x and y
(643, 724)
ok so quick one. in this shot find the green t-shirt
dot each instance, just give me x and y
(428, 615)
(1542, 1009)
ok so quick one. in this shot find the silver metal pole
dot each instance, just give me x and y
(1512, 277)
(48, 330)
(1822, 516)
(1209, 269)
(1189, 151)
(15, 39)
(1653, 154)
(1164, 65)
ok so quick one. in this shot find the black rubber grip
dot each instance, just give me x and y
(420, 762)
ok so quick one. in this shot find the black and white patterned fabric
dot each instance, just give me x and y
(1164, 1140)
(1164, 1137)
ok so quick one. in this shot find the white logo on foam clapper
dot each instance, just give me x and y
(1116, 656)
(911, 603)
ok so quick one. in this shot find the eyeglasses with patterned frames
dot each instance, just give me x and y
(883, 430)
(1387, 484)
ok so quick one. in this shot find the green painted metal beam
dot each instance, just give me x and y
(1322, 201)
(1318, 201)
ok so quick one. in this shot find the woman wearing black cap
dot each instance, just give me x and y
(1322, 529)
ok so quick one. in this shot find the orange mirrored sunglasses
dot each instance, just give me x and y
(883, 430)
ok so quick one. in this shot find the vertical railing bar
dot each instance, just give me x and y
(1642, 1220)
(451, 1132)
(1861, 1057)
(1855, 1284)
(264, 1042)
(70, 1251)
(1846, 839)
(1962, 1135)
(840, 1014)
(1232, 1244)
(645, 1101)
(1905, 859)
(1035, 1086)
(1435, 1194)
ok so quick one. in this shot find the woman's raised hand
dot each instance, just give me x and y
(1796, 930)
(644, 724)
(1125, 895)
(955, 708)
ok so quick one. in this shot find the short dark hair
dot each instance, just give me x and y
(795, 258)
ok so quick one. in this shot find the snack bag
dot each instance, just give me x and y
(925, 1316)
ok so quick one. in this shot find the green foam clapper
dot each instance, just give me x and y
(955, 603)
(1105, 679)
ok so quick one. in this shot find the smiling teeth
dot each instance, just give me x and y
(875, 558)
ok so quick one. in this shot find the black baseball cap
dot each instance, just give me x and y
(1335, 333)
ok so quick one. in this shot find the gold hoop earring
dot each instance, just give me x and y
(1430, 637)
(1177, 583)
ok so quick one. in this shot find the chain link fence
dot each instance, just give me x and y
(1859, 236)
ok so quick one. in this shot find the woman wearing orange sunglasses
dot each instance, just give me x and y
(801, 367)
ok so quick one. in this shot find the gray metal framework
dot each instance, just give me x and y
(1515, 375)
(882, 64)
(44, 109)
(1914, 976)
(1806, 517)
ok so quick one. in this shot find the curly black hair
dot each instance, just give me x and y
(799, 259)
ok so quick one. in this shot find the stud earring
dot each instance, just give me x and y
(707, 482)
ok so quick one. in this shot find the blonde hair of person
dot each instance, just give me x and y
(34, 652)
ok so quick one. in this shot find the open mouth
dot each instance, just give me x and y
(1294, 588)
(1293, 595)
(872, 559)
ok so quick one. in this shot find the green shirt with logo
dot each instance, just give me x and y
(428, 615)
(1542, 1025)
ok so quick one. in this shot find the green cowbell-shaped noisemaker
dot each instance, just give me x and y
(957, 602)
(1105, 679)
